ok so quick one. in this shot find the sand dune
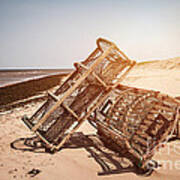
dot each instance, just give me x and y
(173, 63)
(162, 76)
(85, 157)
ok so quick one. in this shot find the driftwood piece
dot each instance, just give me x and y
(81, 93)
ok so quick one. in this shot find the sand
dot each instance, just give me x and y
(81, 159)
(162, 76)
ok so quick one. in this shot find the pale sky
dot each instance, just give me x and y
(55, 33)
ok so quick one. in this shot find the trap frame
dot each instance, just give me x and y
(176, 133)
(80, 94)
(136, 122)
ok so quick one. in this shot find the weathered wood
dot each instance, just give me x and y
(145, 129)
(81, 93)
(53, 96)
(71, 111)
(100, 80)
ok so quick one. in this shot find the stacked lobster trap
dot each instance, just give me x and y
(130, 120)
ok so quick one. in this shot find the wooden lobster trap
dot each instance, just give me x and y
(80, 94)
(136, 122)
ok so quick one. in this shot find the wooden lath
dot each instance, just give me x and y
(65, 106)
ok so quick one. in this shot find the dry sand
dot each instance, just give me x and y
(86, 161)
(162, 76)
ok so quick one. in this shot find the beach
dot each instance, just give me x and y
(85, 157)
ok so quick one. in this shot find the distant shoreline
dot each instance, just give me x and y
(15, 76)
(36, 69)
(17, 88)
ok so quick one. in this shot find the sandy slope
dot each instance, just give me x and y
(85, 162)
(163, 76)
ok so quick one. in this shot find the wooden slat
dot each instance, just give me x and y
(138, 148)
(140, 139)
(114, 131)
(169, 109)
(141, 135)
(27, 123)
(109, 59)
(100, 80)
(65, 106)
(70, 110)
(177, 117)
(53, 96)
(82, 65)
(45, 140)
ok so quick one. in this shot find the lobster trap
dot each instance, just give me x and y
(85, 89)
(136, 122)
